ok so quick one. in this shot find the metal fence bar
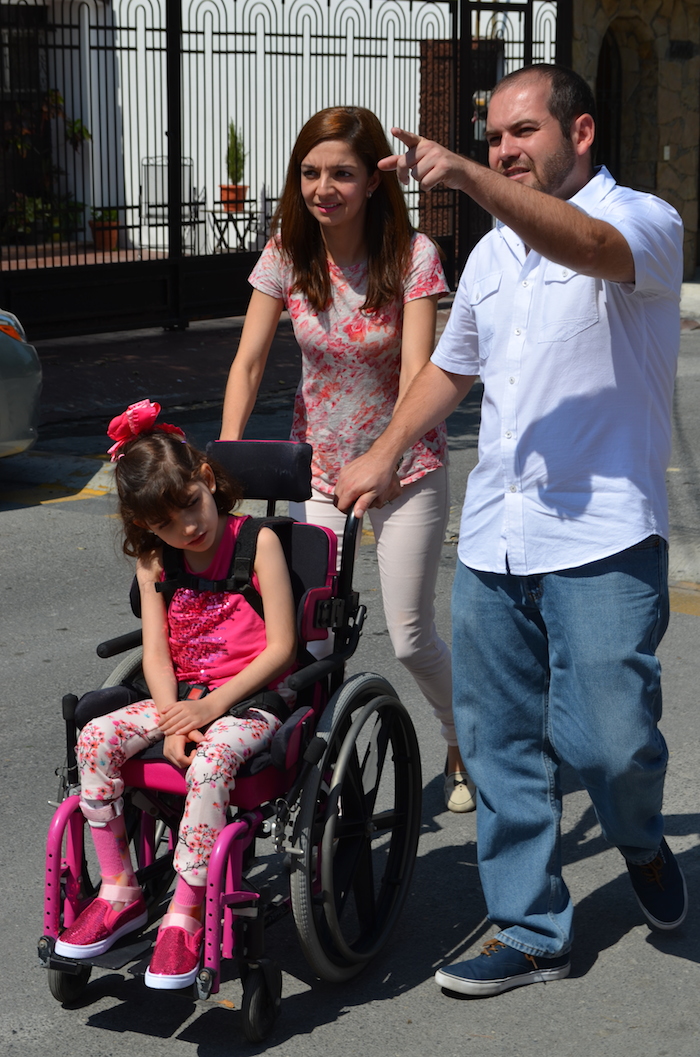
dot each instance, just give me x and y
(92, 96)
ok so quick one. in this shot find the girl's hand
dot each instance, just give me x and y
(174, 748)
(184, 716)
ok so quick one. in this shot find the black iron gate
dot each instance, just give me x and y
(111, 113)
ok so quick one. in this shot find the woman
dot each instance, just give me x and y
(361, 288)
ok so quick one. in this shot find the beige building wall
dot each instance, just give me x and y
(659, 46)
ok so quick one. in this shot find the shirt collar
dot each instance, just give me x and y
(598, 187)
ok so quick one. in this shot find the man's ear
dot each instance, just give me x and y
(583, 133)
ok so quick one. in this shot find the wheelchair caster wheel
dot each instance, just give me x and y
(261, 1002)
(67, 988)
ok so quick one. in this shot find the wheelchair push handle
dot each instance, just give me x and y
(347, 564)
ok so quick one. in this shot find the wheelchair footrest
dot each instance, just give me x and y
(115, 958)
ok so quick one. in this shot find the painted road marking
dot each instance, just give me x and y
(685, 598)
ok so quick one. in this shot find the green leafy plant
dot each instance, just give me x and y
(68, 215)
(235, 155)
(26, 213)
(34, 217)
(105, 216)
(77, 133)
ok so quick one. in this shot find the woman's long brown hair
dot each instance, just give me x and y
(388, 229)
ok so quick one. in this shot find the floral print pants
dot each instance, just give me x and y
(106, 743)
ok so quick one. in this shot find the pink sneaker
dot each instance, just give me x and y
(100, 926)
(176, 956)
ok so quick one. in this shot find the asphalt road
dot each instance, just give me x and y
(65, 588)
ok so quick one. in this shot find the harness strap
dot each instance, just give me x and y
(239, 579)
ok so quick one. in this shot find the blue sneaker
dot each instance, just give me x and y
(660, 889)
(499, 968)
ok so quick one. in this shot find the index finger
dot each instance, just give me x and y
(409, 139)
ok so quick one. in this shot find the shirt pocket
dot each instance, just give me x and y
(482, 298)
(572, 298)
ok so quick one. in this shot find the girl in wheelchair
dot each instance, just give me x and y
(203, 654)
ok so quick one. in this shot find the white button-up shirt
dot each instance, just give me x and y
(578, 380)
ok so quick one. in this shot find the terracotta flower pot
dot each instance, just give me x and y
(105, 234)
(233, 197)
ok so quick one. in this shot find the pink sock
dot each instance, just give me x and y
(187, 895)
(109, 852)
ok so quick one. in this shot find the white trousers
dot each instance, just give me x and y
(409, 534)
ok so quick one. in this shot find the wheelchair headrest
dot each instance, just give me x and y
(266, 469)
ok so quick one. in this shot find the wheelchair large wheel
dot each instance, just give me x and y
(357, 830)
(128, 668)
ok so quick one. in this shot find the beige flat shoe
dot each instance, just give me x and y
(460, 792)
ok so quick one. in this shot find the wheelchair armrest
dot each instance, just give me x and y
(316, 671)
(288, 740)
(120, 644)
(313, 673)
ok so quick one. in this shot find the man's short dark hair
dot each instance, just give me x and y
(570, 94)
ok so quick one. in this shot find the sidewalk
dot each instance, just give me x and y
(93, 377)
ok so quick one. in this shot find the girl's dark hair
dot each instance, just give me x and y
(388, 229)
(153, 478)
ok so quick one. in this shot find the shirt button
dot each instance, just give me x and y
(512, 488)
(564, 273)
(517, 331)
(512, 381)
(508, 434)
(525, 282)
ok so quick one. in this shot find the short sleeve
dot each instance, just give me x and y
(457, 350)
(654, 233)
(269, 275)
(425, 277)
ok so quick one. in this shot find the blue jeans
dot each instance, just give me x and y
(550, 668)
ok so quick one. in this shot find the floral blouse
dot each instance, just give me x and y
(351, 362)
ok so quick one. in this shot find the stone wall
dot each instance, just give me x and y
(659, 42)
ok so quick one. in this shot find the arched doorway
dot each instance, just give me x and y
(627, 82)
(608, 103)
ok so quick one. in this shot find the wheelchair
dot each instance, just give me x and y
(338, 793)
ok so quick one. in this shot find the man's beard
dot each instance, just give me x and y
(556, 169)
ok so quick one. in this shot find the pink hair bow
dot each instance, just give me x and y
(138, 418)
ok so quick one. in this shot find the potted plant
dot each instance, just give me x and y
(105, 228)
(234, 193)
(28, 218)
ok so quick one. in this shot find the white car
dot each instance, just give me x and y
(20, 387)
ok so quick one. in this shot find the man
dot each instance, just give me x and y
(568, 310)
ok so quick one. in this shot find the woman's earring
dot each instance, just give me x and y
(369, 194)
